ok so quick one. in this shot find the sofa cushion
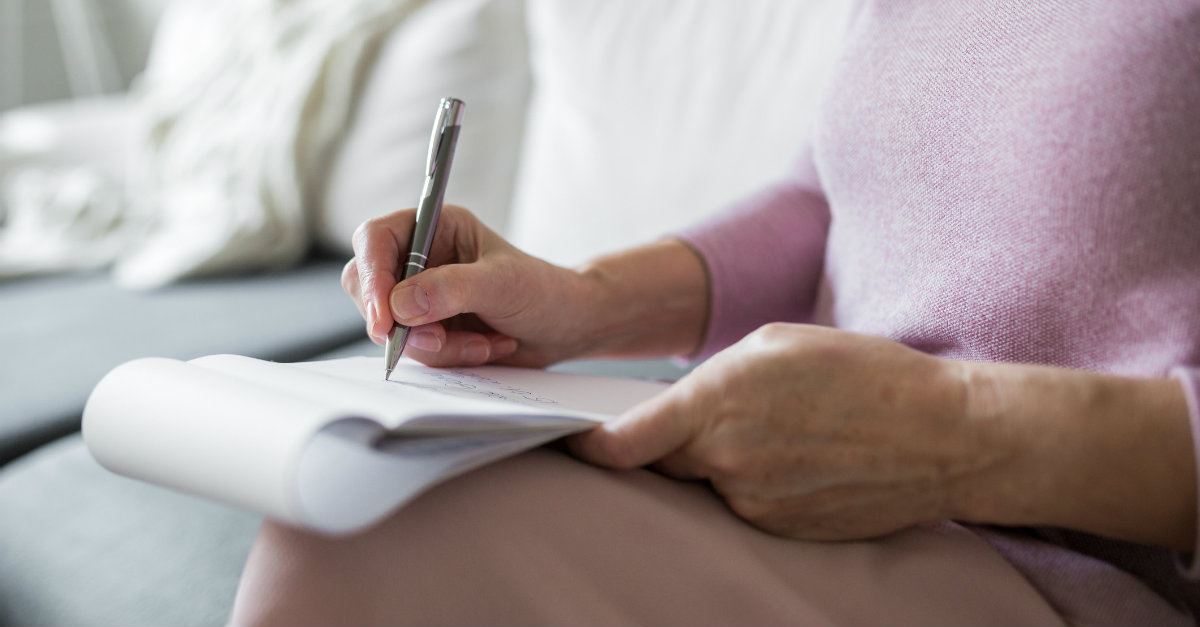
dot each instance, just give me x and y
(61, 334)
(82, 546)
(647, 116)
(469, 49)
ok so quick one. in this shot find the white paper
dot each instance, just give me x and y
(343, 485)
(330, 445)
(199, 431)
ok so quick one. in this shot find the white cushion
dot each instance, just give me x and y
(648, 116)
(470, 49)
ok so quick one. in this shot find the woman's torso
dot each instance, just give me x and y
(1018, 181)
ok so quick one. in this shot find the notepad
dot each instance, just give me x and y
(329, 445)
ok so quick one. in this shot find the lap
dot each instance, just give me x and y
(544, 539)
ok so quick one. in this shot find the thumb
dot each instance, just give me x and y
(443, 292)
(644, 434)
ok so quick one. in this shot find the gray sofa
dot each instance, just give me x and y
(78, 545)
(81, 546)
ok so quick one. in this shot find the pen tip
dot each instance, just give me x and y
(387, 374)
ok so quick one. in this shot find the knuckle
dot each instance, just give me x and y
(366, 277)
(448, 290)
(371, 226)
(777, 338)
(728, 462)
(370, 276)
(364, 232)
(773, 331)
(457, 212)
(401, 220)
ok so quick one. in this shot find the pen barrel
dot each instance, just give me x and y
(430, 208)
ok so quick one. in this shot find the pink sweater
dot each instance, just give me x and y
(1003, 181)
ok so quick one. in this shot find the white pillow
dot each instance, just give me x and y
(648, 116)
(470, 49)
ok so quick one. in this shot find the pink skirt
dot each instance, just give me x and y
(543, 539)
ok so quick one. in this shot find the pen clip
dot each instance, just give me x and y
(448, 114)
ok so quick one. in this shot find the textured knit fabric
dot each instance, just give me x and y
(1001, 181)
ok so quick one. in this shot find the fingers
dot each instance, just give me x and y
(446, 291)
(376, 257)
(350, 285)
(649, 432)
(432, 345)
(372, 274)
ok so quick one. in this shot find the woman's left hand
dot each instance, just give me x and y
(815, 433)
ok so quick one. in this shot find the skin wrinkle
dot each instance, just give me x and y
(761, 484)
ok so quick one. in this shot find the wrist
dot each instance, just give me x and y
(570, 303)
(651, 301)
(988, 494)
(1019, 414)
(1097, 453)
(593, 298)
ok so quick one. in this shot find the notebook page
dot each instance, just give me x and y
(592, 398)
(419, 398)
(353, 394)
(199, 431)
(241, 430)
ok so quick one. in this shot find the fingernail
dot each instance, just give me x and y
(426, 341)
(410, 302)
(372, 318)
(475, 351)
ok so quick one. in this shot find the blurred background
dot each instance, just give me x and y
(56, 49)
(181, 178)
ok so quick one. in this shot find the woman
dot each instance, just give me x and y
(977, 299)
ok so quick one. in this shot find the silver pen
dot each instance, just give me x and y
(437, 172)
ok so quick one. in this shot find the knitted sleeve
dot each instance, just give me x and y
(764, 258)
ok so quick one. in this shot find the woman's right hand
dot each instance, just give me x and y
(480, 300)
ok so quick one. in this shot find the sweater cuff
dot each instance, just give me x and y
(1189, 564)
(764, 260)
